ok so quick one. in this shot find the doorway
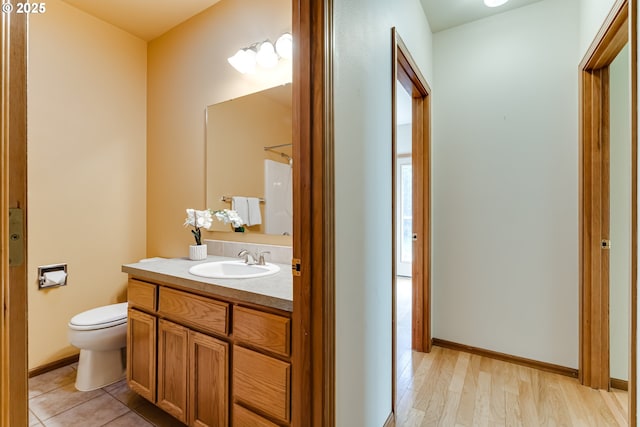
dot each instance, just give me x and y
(596, 221)
(620, 219)
(410, 211)
(403, 284)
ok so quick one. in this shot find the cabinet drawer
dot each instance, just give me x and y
(200, 312)
(142, 294)
(264, 330)
(243, 417)
(261, 382)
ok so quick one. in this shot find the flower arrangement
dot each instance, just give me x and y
(229, 216)
(199, 219)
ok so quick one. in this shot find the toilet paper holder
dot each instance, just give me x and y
(52, 268)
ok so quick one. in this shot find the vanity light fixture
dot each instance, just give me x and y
(284, 46)
(266, 56)
(494, 3)
(263, 54)
(244, 60)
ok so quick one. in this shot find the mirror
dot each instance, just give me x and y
(249, 154)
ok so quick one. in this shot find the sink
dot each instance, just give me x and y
(232, 270)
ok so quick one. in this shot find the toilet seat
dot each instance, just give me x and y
(100, 317)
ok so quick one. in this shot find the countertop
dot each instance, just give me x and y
(275, 291)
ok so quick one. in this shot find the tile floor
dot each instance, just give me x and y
(54, 402)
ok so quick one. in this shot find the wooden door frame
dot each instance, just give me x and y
(313, 331)
(406, 71)
(619, 27)
(313, 318)
(13, 194)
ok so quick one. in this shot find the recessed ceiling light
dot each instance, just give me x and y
(494, 3)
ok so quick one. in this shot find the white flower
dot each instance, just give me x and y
(229, 216)
(199, 218)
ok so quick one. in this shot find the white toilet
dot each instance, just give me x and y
(101, 336)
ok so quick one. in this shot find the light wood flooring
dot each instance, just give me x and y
(450, 388)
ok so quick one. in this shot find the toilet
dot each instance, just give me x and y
(101, 336)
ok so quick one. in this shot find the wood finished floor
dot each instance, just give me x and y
(453, 389)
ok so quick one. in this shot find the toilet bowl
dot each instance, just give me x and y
(101, 336)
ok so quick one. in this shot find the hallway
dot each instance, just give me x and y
(450, 388)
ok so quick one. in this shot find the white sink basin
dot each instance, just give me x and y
(232, 270)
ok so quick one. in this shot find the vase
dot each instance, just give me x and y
(197, 252)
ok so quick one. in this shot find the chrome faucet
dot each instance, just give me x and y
(249, 258)
(261, 257)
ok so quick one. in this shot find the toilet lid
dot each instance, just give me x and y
(100, 317)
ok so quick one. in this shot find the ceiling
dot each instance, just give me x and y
(443, 14)
(146, 19)
(149, 19)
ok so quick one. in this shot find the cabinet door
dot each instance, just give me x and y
(141, 354)
(173, 349)
(208, 381)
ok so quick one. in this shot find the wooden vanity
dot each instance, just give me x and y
(209, 355)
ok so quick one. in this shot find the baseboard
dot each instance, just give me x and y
(53, 365)
(619, 384)
(543, 366)
(391, 421)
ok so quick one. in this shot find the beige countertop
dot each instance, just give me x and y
(275, 291)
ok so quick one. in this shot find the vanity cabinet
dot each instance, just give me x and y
(208, 361)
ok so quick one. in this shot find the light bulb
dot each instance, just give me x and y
(494, 3)
(244, 61)
(266, 56)
(284, 46)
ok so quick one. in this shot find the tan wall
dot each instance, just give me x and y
(188, 70)
(86, 148)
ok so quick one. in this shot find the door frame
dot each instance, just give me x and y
(406, 71)
(619, 27)
(13, 194)
(313, 317)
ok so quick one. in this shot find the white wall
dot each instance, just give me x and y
(620, 202)
(592, 16)
(363, 193)
(403, 135)
(505, 188)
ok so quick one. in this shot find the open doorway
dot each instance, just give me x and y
(403, 228)
(620, 219)
(410, 212)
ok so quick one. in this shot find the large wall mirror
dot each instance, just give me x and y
(249, 155)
